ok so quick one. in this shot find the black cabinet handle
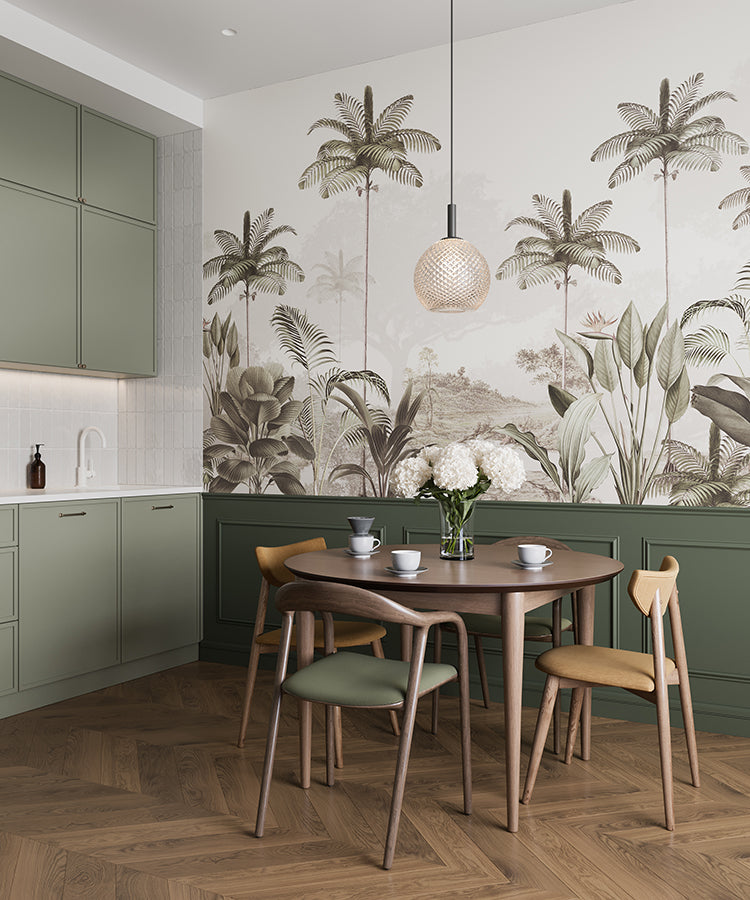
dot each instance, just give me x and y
(171, 506)
(66, 515)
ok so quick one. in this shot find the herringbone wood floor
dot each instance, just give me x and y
(138, 792)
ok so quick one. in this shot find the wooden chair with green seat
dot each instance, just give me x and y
(356, 680)
(645, 674)
(346, 634)
(536, 628)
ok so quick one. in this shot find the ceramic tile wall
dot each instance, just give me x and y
(36, 407)
(160, 419)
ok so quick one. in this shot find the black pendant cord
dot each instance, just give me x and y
(451, 205)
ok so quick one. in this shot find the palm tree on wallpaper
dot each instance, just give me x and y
(338, 279)
(560, 245)
(674, 137)
(366, 145)
(739, 198)
(251, 262)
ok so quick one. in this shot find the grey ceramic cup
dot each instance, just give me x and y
(361, 524)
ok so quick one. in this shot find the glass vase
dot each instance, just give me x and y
(456, 529)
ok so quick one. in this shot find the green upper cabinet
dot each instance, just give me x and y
(118, 166)
(118, 267)
(39, 142)
(77, 238)
(38, 234)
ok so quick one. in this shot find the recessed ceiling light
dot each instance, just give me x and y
(229, 32)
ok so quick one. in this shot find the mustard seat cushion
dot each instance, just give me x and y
(356, 679)
(602, 665)
(492, 626)
(345, 634)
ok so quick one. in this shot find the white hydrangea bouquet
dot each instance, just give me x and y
(456, 475)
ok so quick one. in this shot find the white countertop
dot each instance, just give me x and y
(94, 493)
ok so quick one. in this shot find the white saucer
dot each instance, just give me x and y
(366, 555)
(401, 574)
(529, 567)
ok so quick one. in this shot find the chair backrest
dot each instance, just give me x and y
(644, 584)
(532, 539)
(271, 559)
(328, 597)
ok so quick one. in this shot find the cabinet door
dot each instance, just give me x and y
(117, 167)
(39, 139)
(160, 574)
(39, 264)
(68, 610)
(8, 584)
(118, 259)
(8, 659)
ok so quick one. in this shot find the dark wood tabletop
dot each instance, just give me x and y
(491, 570)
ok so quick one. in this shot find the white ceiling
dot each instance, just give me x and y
(180, 42)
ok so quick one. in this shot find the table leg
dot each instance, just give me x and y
(512, 625)
(586, 597)
(305, 652)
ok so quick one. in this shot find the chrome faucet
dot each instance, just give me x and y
(85, 471)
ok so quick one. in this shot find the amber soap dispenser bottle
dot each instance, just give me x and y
(37, 470)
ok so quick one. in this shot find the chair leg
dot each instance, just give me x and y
(479, 649)
(686, 704)
(540, 735)
(574, 717)
(377, 650)
(338, 740)
(556, 642)
(273, 733)
(252, 671)
(402, 762)
(665, 754)
(437, 656)
(332, 714)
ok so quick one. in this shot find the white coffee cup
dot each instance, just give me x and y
(363, 543)
(406, 560)
(533, 554)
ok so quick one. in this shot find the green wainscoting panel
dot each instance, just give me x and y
(712, 546)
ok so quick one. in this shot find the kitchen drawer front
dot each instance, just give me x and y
(8, 519)
(8, 584)
(8, 658)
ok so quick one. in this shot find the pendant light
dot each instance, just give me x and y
(451, 275)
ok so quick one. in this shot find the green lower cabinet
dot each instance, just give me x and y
(8, 658)
(160, 574)
(68, 605)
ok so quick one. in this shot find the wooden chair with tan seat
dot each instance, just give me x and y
(346, 634)
(547, 629)
(356, 680)
(644, 674)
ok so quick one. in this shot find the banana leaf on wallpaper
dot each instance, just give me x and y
(292, 418)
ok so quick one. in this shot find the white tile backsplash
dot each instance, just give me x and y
(152, 426)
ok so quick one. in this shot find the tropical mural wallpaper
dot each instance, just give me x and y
(614, 350)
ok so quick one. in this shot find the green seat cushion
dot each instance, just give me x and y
(491, 626)
(356, 679)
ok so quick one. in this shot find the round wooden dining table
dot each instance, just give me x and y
(491, 583)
